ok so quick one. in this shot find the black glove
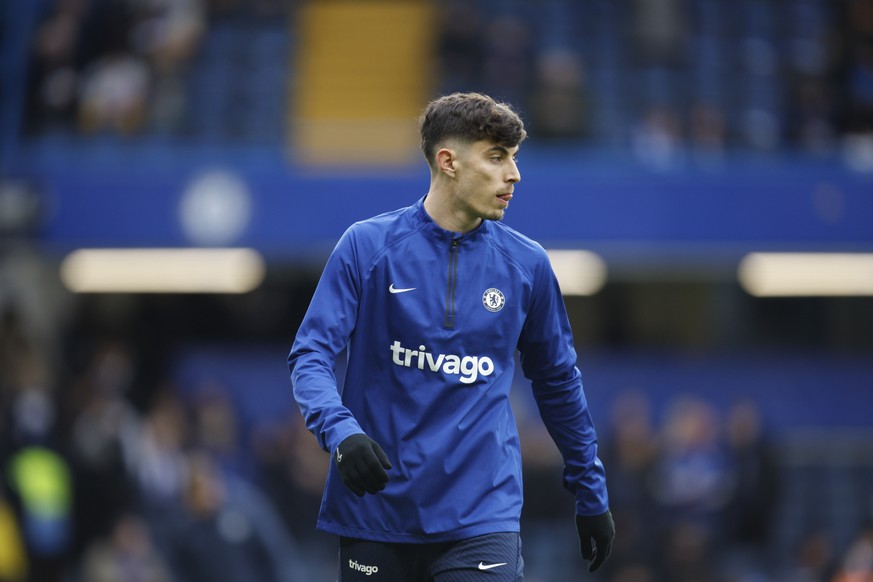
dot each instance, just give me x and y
(601, 530)
(362, 463)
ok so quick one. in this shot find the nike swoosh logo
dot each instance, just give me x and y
(489, 566)
(394, 289)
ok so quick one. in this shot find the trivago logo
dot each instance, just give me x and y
(368, 570)
(468, 367)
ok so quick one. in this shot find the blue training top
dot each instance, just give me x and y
(431, 320)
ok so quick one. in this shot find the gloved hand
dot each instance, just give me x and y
(362, 463)
(599, 529)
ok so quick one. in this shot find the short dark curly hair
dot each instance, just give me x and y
(470, 117)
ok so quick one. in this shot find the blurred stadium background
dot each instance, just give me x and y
(702, 171)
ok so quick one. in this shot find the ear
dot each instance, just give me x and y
(446, 159)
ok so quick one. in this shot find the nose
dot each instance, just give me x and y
(514, 175)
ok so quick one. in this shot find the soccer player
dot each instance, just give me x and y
(431, 302)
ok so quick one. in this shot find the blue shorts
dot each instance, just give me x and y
(487, 558)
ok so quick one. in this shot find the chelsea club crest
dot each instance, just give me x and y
(493, 299)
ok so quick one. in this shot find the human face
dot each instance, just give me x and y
(486, 177)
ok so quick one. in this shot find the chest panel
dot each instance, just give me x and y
(477, 295)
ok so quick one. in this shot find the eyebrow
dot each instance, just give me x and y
(500, 149)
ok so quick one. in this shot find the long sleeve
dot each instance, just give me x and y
(548, 360)
(322, 336)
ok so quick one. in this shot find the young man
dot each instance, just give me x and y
(431, 302)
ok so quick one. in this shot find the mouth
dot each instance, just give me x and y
(506, 197)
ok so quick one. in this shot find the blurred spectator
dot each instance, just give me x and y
(859, 140)
(13, 558)
(858, 151)
(157, 453)
(812, 124)
(861, 85)
(54, 73)
(125, 555)
(751, 510)
(629, 456)
(39, 477)
(291, 472)
(292, 469)
(114, 95)
(857, 84)
(691, 487)
(507, 68)
(33, 313)
(551, 548)
(860, 14)
(460, 46)
(228, 531)
(814, 559)
(707, 134)
(102, 428)
(168, 34)
(857, 564)
(217, 426)
(659, 30)
(20, 362)
(560, 103)
(657, 140)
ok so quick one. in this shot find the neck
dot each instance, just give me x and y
(438, 205)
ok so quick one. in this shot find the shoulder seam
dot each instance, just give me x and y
(525, 270)
(381, 252)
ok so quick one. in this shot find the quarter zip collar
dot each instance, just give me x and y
(429, 226)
